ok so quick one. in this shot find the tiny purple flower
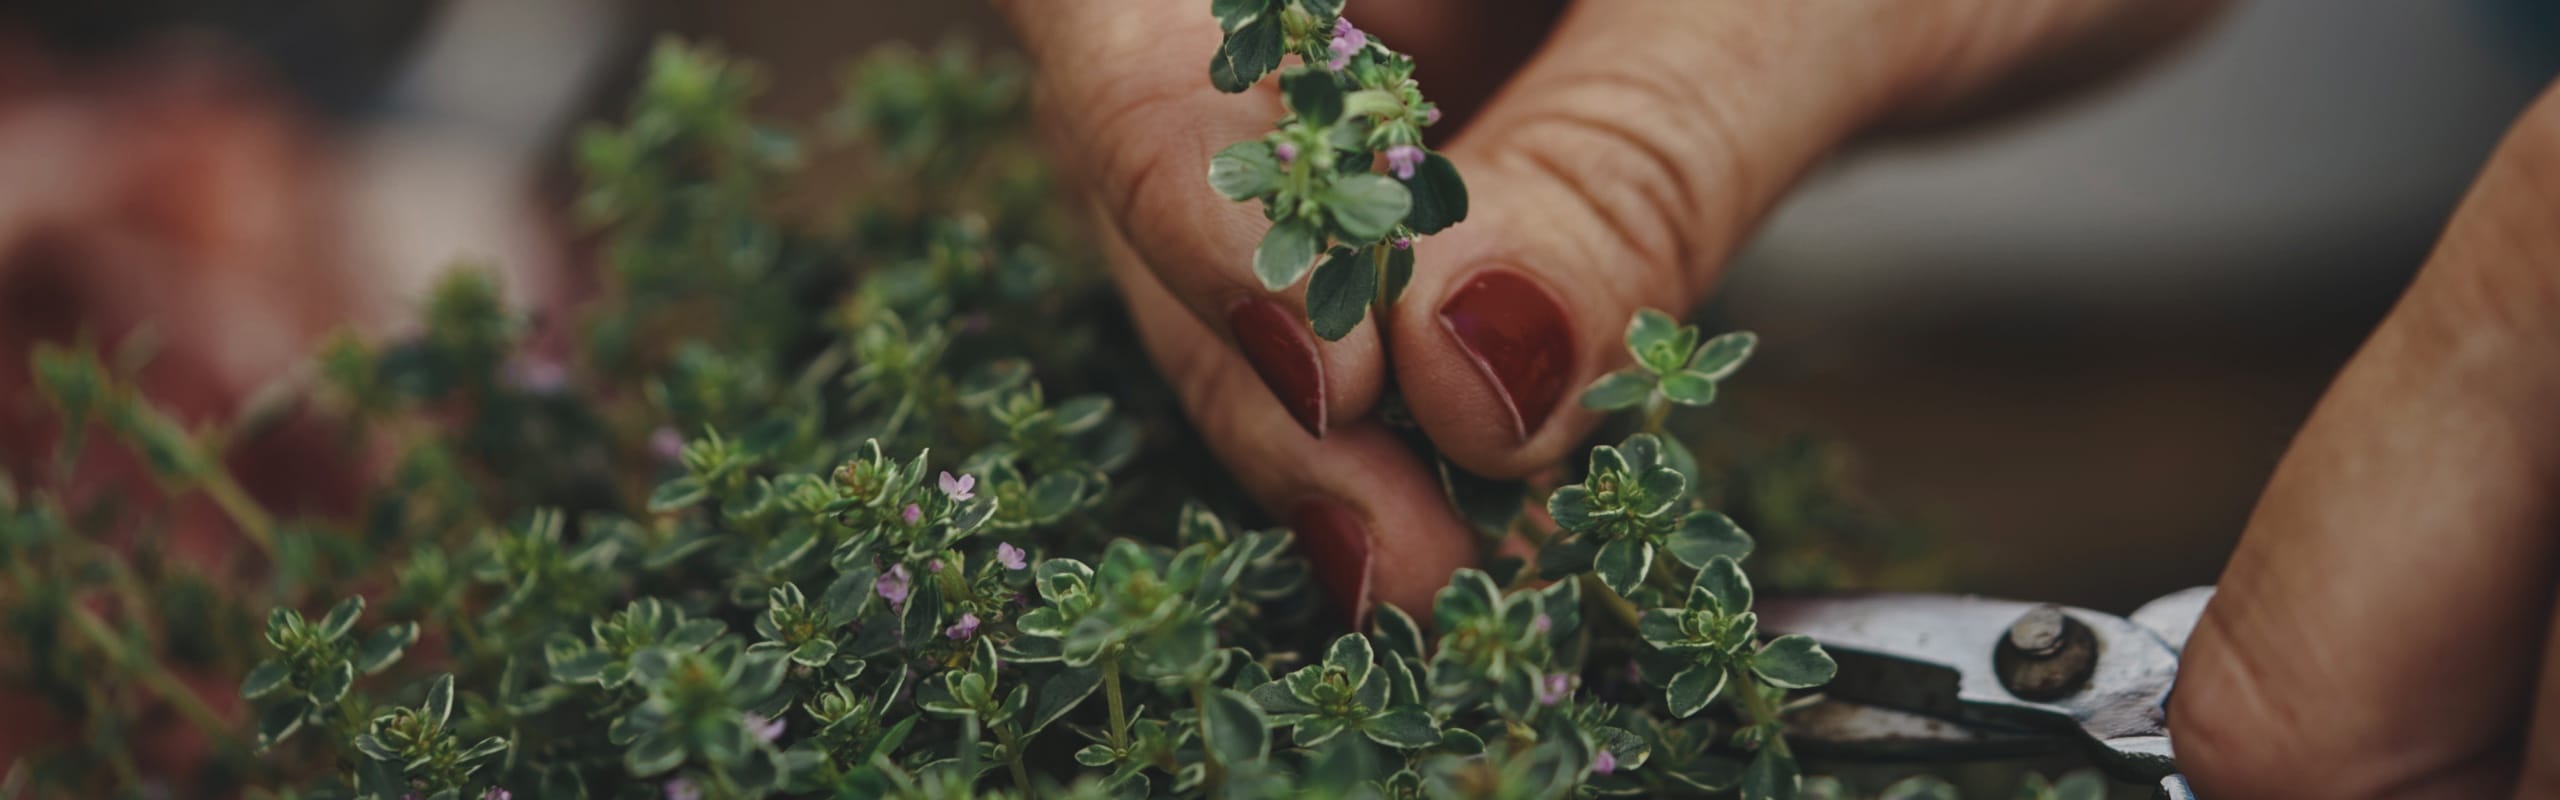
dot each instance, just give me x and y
(1401, 159)
(934, 566)
(683, 789)
(1431, 116)
(1542, 623)
(666, 444)
(914, 512)
(893, 585)
(1010, 556)
(1604, 763)
(497, 793)
(1285, 151)
(1558, 687)
(766, 730)
(1402, 242)
(960, 488)
(965, 628)
(1347, 41)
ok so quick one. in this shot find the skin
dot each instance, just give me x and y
(2402, 559)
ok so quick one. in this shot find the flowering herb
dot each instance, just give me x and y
(1345, 177)
(829, 588)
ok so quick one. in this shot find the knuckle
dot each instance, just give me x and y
(2238, 733)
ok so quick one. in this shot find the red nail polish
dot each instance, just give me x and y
(1338, 544)
(1515, 331)
(1283, 352)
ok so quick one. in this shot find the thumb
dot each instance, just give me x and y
(1624, 165)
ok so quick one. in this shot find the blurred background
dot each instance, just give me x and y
(2071, 344)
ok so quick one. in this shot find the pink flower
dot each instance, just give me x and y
(1542, 623)
(965, 628)
(1401, 242)
(1285, 151)
(934, 566)
(1401, 159)
(1010, 556)
(535, 375)
(497, 793)
(1558, 687)
(1347, 42)
(766, 730)
(1431, 116)
(960, 488)
(683, 789)
(914, 512)
(893, 586)
(666, 444)
(1604, 763)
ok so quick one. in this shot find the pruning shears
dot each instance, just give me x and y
(1948, 676)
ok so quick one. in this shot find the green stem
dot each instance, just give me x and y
(1757, 706)
(1111, 693)
(252, 519)
(153, 675)
(1625, 611)
(1656, 412)
(1013, 759)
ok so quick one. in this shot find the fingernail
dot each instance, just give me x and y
(1338, 543)
(1283, 352)
(1515, 332)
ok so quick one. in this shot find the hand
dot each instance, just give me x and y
(2385, 629)
(1616, 170)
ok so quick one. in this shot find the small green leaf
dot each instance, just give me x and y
(1439, 196)
(677, 494)
(1649, 329)
(1061, 693)
(1570, 505)
(1660, 627)
(333, 682)
(1407, 728)
(1096, 755)
(1339, 294)
(814, 653)
(1235, 727)
(1397, 631)
(1794, 662)
(2083, 784)
(1723, 580)
(1622, 564)
(1286, 253)
(655, 752)
(1562, 559)
(1690, 691)
(1249, 53)
(1722, 355)
(1618, 390)
(1689, 388)
(341, 618)
(280, 721)
(1352, 655)
(1366, 206)
(1233, 14)
(1399, 273)
(1245, 170)
(1312, 95)
(1705, 535)
(384, 647)
(439, 704)
(269, 676)
(1771, 776)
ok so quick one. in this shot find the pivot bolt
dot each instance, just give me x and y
(2047, 655)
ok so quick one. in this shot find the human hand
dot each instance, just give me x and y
(1615, 170)
(2385, 628)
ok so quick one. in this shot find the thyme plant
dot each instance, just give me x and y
(873, 499)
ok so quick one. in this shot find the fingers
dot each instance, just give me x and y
(1369, 514)
(1621, 169)
(2377, 630)
(1126, 85)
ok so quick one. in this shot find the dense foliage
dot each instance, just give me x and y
(873, 496)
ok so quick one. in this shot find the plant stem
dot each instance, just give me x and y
(153, 675)
(252, 519)
(1013, 759)
(1626, 612)
(1757, 706)
(1656, 411)
(1111, 693)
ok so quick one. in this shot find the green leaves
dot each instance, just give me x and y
(1339, 295)
(1794, 662)
(1366, 206)
(1690, 691)
(1249, 53)
(1622, 564)
(1287, 252)
(1244, 171)
(1235, 727)
(1439, 196)
(1312, 95)
(1670, 365)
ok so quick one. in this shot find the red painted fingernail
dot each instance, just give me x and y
(1283, 352)
(1338, 543)
(1516, 334)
